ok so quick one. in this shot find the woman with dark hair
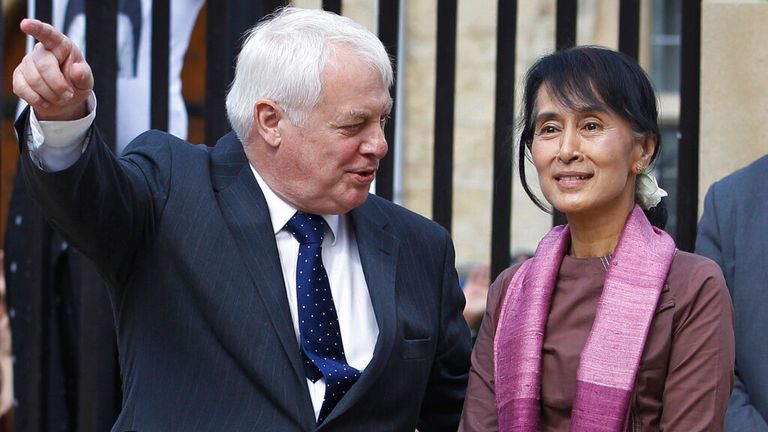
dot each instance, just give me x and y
(608, 327)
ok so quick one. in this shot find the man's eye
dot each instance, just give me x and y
(383, 121)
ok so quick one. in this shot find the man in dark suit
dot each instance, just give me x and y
(733, 232)
(257, 285)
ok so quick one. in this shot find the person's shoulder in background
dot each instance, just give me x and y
(6, 368)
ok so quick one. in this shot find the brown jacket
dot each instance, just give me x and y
(686, 371)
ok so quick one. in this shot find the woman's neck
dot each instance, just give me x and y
(595, 235)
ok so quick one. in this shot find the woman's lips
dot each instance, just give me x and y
(572, 180)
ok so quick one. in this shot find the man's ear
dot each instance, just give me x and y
(266, 119)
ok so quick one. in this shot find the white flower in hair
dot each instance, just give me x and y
(647, 191)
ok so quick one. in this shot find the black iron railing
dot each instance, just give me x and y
(227, 21)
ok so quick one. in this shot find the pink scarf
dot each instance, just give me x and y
(608, 365)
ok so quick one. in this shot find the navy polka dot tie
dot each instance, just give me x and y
(321, 344)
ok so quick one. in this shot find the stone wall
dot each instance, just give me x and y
(734, 88)
(734, 94)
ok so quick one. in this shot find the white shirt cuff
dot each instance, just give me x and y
(57, 145)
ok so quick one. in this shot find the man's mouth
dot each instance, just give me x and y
(364, 176)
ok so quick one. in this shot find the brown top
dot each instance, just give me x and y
(686, 371)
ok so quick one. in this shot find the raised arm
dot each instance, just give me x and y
(54, 78)
(103, 206)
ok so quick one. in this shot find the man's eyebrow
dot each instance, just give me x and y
(350, 116)
(388, 106)
(360, 114)
(357, 114)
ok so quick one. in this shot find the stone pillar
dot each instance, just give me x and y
(734, 88)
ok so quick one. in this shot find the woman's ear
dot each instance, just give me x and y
(266, 119)
(647, 144)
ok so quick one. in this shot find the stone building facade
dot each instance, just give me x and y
(734, 90)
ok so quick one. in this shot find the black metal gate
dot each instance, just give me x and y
(228, 20)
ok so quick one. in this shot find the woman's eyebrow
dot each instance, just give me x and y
(591, 108)
(544, 116)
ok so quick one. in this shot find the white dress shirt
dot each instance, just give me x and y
(341, 259)
(55, 146)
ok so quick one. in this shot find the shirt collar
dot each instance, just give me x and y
(280, 211)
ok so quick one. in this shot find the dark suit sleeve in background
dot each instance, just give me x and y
(711, 242)
(448, 380)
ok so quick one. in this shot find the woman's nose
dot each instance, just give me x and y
(570, 146)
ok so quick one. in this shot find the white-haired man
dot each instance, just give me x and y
(256, 284)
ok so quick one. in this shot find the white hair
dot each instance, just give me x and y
(283, 57)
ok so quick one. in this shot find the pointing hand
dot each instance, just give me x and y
(54, 79)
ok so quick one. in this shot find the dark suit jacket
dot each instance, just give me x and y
(183, 235)
(733, 232)
(65, 370)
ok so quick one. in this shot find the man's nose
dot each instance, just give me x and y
(376, 143)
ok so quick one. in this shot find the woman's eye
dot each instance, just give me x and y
(547, 129)
(591, 126)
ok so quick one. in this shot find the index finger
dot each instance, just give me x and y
(52, 39)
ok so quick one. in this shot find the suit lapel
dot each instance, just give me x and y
(760, 227)
(378, 249)
(247, 216)
(246, 213)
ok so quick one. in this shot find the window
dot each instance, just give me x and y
(665, 74)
